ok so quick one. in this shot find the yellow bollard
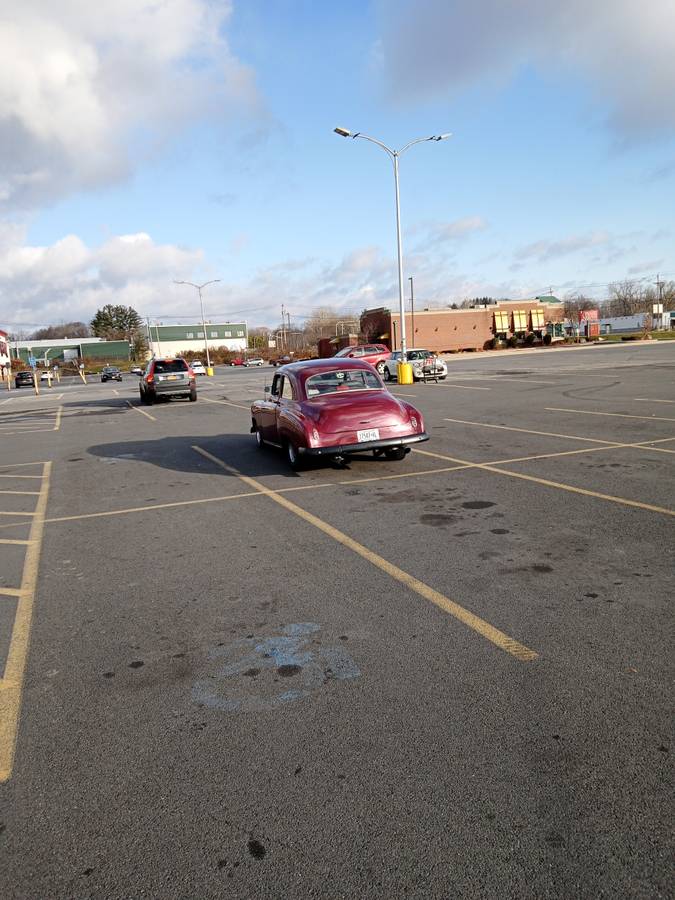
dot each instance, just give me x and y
(209, 371)
(404, 373)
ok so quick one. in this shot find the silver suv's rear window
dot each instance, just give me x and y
(170, 365)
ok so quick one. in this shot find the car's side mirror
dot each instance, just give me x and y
(267, 388)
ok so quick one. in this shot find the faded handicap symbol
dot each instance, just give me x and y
(258, 673)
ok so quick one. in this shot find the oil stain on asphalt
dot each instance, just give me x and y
(267, 672)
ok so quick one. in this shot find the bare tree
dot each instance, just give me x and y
(626, 298)
(574, 305)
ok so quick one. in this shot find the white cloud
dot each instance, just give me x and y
(439, 233)
(86, 89)
(68, 280)
(623, 48)
(546, 250)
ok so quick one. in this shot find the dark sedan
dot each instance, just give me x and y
(111, 373)
(334, 407)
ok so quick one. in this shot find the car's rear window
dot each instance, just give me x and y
(170, 365)
(342, 380)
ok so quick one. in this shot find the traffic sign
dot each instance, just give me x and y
(32, 362)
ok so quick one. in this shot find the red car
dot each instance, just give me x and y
(333, 407)
(375, 354)
(237, 361)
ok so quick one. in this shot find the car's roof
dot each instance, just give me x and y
(307, 367)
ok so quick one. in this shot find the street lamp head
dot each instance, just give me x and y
(441, 137)
(343, 132)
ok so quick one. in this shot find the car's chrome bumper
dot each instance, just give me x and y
(341, 449)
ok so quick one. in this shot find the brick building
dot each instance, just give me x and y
(448, 330)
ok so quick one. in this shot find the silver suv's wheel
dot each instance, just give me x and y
(387, 374)
(380, 367)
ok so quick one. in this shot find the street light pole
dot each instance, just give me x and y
(412, 309)
(394, 156)
(201, 305)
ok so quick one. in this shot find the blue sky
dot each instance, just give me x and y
(140, 146)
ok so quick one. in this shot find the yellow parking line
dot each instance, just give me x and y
(11, 686)
(11, 592)
(23, 465)
(12, 541)
(227, 403)
(57, 423)
(589, 412)
(652, 400)
(19, 476)
(27, 431)
(571, 437)
(17, 513)
(485, 629)
(33, 493)
(141, 411)
(464, 387)
(487, 467)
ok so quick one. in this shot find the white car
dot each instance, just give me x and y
(46, 376)
(197, 367)
(425, 364)
(254, 361)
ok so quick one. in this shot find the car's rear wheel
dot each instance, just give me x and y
(386, 374)
(293, 457)
(259, 442)
(150, 397)
(193, 395)
(395, 453)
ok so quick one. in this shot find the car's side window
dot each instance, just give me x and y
(287, 389)
(276, 385)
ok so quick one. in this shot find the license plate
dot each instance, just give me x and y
(369, 434)
(172, 377)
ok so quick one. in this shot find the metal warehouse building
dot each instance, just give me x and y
(172, 340)
(71, 348)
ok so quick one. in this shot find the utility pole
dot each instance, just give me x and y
(412, 310)
(659, 288)
(150, 347)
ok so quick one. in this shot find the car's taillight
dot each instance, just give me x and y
(150, 377)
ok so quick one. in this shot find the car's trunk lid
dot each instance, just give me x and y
(356, 410)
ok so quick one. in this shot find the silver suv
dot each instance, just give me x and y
(167, 378)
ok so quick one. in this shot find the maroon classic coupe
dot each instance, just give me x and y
(332, 407)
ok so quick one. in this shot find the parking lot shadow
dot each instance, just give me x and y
(237, 450)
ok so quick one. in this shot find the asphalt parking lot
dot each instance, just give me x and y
(443, 677)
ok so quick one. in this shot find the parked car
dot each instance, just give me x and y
(25, 376)
(46, 376)
(281, 361)
(334, 407)
(197, 367)
(167, 378)
(375, 354)
(237, 361)
(136, 370)
(254, 361)
(110, 373)
(425, 364)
